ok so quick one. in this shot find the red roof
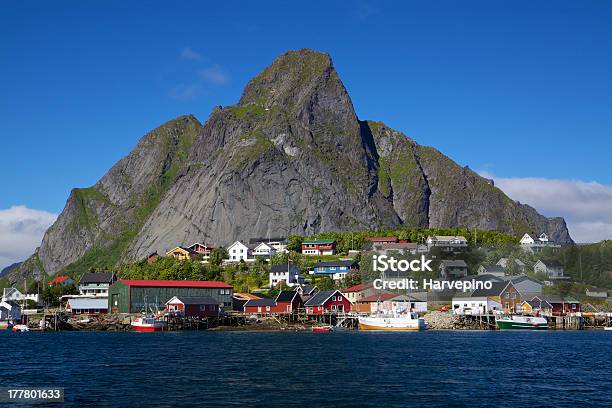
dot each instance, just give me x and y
(376, 296)
(58, 279)
(382, 239)
(357, 288)
(400, 245)
(176, 283)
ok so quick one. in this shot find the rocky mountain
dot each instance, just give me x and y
(6, 270)
(290, 157)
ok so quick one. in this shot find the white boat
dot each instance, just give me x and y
(522, 323)
(148, 324)
(608, 328)
(392, 321)
(21, 328)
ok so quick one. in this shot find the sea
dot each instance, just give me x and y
(304, 369)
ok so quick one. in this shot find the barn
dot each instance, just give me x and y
(133, 296)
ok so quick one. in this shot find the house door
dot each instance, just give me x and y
(114, 303)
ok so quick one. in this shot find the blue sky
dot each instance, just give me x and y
(520, 90)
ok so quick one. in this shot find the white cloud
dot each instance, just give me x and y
(185, 92)
(21, 231)
(189, 54)
(586, 206)
(214, 75)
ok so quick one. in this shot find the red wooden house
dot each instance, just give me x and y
(327, 301)
(288, 301)
(260, 306)
(203, 249)
(319, 247)
(560, 305)
(193, 306)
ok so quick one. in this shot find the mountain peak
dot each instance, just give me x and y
(290, 78)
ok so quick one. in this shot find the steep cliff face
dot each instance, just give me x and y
(290, 157)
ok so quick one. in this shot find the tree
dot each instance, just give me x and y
(217, 256)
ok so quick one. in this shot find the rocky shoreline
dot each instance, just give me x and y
(121, 322)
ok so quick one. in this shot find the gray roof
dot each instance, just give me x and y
(555, 299)
(496, 290)
(267, 240)
(260, 302)
(320, 297)
(493, 268)
(551, 264)
(88, 303)
(457, 263)
(283, 268)
(286, 296)
(307, 289)
(521, 278)
(536, 304)
(98, 277)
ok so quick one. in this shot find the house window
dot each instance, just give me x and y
(333, 307)
(267, 308)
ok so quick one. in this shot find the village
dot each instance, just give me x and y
(291, 298)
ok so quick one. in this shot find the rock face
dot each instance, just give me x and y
(290, 157)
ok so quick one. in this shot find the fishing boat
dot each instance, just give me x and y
(20, 328)
(322, 329)
(392, 321)
(514, 322)
(148, 324)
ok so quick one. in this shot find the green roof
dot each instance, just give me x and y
(319, 241)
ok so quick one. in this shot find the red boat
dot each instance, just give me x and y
(148, 324)
(322, 329)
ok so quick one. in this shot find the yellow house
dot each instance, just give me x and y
(181, 253)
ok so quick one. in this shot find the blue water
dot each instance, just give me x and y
(341, 369)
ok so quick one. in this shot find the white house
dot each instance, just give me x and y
(96, 284)
(265, 250)
(551, 269)
(447, 241)
(10, 311)
(597, 292)
(239, 252)
(290, 275)
(14, 295)
(278, 244)
(475, 305)
(537, 244)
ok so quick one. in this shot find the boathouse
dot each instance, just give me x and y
(288, 301)
(133, 296)
(193, 306)
(259, 306)
(327, 301)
